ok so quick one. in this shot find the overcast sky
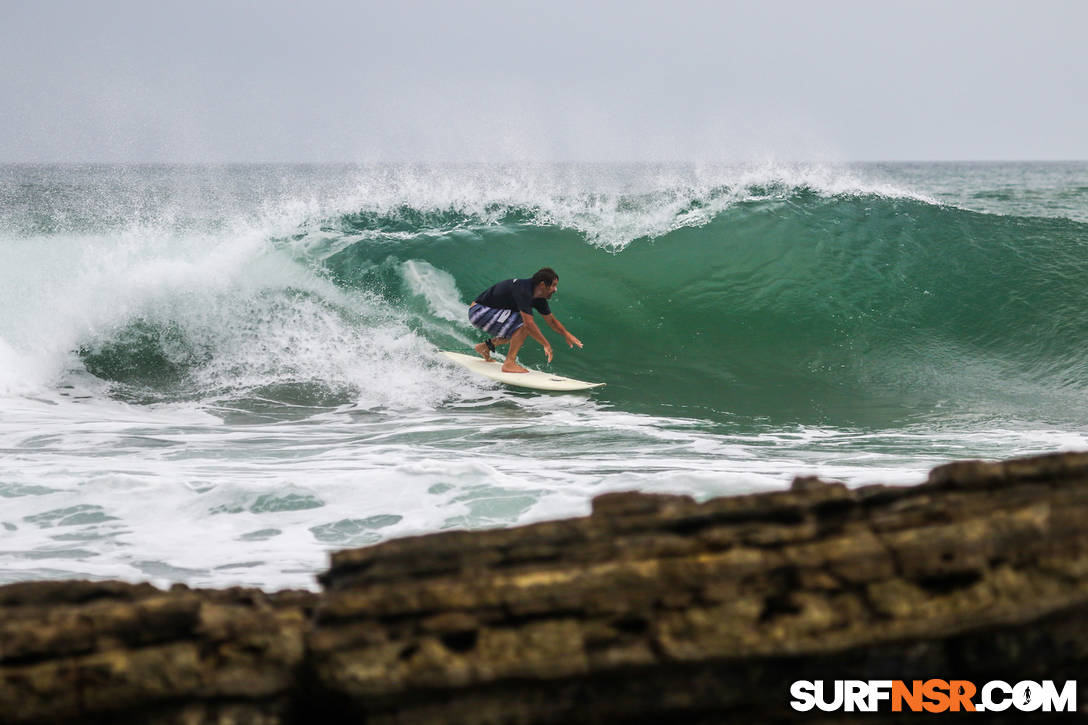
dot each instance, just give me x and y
(231, 80)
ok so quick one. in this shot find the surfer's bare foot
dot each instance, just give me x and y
(513, 368)
(484, 352)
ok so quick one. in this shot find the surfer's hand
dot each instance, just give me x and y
(548, 352)
(572, 340)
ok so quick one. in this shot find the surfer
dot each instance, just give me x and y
(505, 311)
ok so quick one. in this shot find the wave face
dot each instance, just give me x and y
(781, 294)
(787, 304)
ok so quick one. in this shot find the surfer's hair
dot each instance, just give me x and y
(546, 275)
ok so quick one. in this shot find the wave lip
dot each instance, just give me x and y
(609, 206)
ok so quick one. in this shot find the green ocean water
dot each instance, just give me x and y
(248, 354)
(845, 309)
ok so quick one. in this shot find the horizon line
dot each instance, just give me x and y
(387, 162)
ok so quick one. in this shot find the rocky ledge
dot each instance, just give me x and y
(652, 608)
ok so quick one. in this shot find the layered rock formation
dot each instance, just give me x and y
(109, 652)
(652, 608)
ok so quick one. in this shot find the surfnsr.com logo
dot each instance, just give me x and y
(933, 696)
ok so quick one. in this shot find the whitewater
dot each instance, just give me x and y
(216, 375)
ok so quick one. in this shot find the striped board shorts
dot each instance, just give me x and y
(497, 323)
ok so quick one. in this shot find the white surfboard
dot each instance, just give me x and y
(533, 379)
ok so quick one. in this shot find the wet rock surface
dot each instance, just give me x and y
(652, 608)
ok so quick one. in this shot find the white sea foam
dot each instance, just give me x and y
(170, 493)
(437, 287)
(243, 313)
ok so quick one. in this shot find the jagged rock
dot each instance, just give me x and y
(811, 483)
(112, 652)
(652, 608)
